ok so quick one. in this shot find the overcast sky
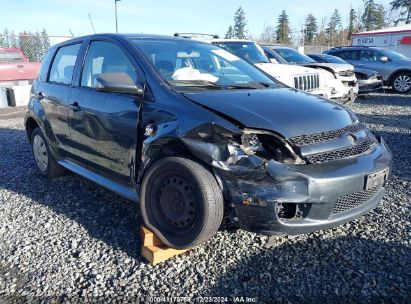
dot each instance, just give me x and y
(160, 16)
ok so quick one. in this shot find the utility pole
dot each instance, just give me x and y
(115, 9)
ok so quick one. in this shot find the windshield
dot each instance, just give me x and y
(392, 55)
(331, 59)
(246, 50)
(293, 56)
(189, 64)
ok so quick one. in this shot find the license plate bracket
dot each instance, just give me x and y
(376, 179)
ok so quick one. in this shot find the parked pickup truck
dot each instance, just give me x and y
(14, 65)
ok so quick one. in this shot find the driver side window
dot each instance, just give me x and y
(105, 58)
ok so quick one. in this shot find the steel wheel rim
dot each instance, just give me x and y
(177, 201)
(175, 190)
(402, 83)
(40, 153)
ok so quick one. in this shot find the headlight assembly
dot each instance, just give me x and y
(268, 145)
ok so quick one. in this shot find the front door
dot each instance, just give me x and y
(55, 93)
(103, 126)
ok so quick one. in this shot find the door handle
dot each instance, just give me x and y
(74, 107)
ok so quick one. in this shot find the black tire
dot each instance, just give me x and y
(181, 202)
(51, 168)
(401, 83)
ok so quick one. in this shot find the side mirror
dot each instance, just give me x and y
(384, 59)
(273, 60)
(118, 83)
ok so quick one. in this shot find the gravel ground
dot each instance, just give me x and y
(69, 240)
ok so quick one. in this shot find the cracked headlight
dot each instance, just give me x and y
(268, 145)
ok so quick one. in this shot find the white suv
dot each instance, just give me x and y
(314, 81)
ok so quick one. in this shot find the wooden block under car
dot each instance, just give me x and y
(154, 250)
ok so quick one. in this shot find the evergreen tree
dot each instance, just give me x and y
(311, 28)
(334, 26)
(283, 31)
(351, 26)
(240, 23)
(405, 10)
(373, 17)
(45, 42)
(230, 33)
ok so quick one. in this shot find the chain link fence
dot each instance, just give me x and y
(21, 55)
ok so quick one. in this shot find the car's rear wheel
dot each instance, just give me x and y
(45, 161)
(181, 202)
(401, 83)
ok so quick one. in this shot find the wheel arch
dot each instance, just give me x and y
(395, 73)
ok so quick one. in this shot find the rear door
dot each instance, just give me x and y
(54, 89)
(104, 125)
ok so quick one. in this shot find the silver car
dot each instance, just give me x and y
(394, 68)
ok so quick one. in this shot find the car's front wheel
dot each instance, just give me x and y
(401, 83)
(45, 161)
(181, 202)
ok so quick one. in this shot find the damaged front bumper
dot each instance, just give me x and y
(277, 198)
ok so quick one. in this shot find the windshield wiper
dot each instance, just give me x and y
(249, 85)
(202, 83)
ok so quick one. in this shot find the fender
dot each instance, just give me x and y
(36, 111)
(392, 75)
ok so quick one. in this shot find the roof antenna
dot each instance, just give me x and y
(71, 33)
(92, 25)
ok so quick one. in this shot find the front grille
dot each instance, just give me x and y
(307, 82)
(341, 153)
(352, 200)
(324, 136)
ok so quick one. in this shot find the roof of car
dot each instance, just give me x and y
(352, 47)
(230, 40)
(124, 36)
(273, 46)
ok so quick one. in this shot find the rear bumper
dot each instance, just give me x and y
(318, 193)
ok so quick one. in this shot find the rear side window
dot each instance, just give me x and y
(347, 54)
(105, 58)
(63, 64)
(45, 65)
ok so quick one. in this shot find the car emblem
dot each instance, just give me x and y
(352, 139)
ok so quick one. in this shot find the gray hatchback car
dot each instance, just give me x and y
(394, 68)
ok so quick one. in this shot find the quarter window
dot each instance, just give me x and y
(105, 57)
(63, 64)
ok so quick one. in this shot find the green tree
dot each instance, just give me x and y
(351, 26)
(45, 42)
(311, 28)
(374, 15)
(240, 22)
(283, 31)
(405, 10)
(230, 33)
(334, 26)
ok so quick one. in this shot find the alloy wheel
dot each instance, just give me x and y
(402, 83)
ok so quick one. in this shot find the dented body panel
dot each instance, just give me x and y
(286, 161)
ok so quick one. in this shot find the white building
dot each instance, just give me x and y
(396, 38)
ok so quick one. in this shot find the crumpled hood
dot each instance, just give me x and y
(283, 110)
(276, 70)
(336, 67)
